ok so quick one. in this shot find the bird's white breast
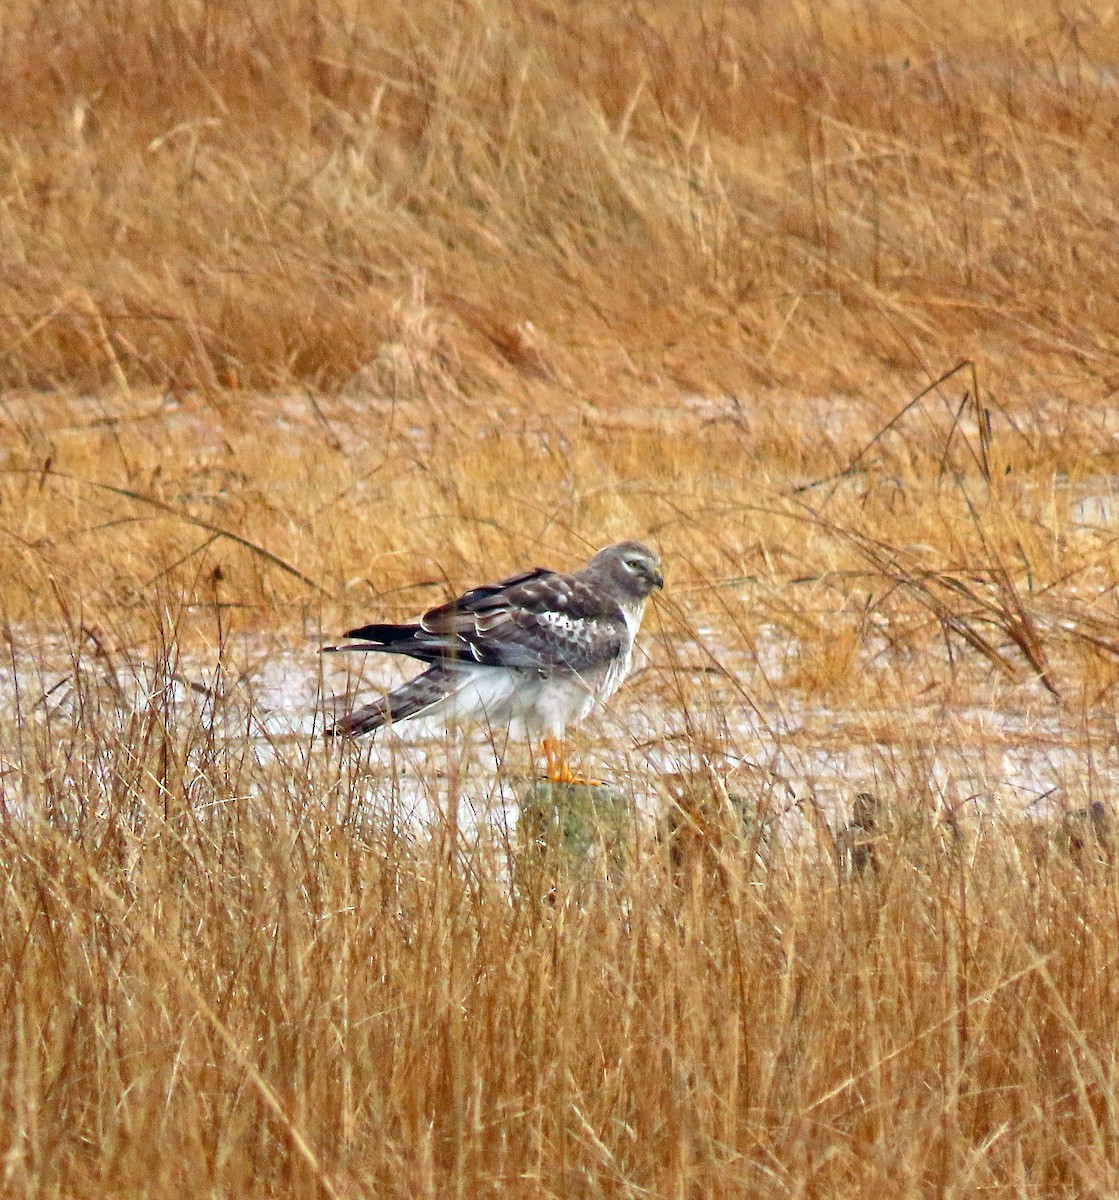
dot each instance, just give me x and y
(633, 614)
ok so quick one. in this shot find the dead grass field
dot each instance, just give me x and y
(310, 311)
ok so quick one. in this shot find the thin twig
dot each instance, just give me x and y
(171, 510)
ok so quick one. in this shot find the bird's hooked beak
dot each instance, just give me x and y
(656, 578)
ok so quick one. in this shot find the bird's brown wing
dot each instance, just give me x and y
(535, 620)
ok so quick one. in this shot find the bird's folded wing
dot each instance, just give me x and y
(548, 641)
(537, 620)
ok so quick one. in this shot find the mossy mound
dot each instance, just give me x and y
(572, 831)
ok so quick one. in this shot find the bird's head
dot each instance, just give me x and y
(632, 568)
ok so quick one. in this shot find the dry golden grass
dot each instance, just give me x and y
(223, 978)
(311, 311)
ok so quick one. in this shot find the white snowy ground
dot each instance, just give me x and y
(264, 709)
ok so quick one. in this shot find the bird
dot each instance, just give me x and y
(535, 652)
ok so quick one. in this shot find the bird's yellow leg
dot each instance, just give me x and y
(559, 769)
(555, 758)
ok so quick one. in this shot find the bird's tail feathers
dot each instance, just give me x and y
(412, 640)
(392, 638)
(411, 699)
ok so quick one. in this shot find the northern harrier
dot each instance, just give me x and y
(535, 652)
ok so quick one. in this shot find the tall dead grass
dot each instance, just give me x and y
(310, 309)
(300, 275)
(709, 197)
(231, 968)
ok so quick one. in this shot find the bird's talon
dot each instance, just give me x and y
(570, 779)
(559, 771)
